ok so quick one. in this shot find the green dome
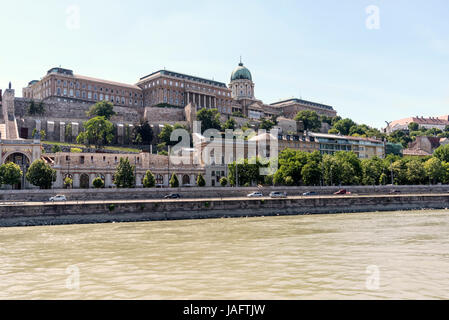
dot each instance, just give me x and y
(240, 73)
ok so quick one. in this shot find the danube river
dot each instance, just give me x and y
(388, 255)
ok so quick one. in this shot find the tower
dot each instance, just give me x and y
(242, 84)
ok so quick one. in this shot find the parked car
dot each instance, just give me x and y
(310, 193)
(59, 197)
(341, 191)
(255, 194)
(278, 194)
(172, 196)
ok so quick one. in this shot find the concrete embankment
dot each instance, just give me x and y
(72, 212)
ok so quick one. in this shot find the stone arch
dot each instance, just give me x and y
(185, 180)
(23, 161)
(84, 181)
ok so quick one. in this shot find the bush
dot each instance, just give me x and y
(111, 207)
(76, 150)
(41, 174)
(149, 181)
(56, 148)
(224, 182)
(68, 182)
(98, 183)
(174, 182)
(200, 181)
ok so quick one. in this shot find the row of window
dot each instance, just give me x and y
(95, 96)
(181, 85)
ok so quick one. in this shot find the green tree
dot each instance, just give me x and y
(344, 126)
(174, 182)
(145, 131)
(372, 170)
(266, 124)
(229, 124)
(10, 173)
(223, 181)
(350, 167)
(310, 120)
(331, 170)
(36, 108)
(124, 174)
(68, 182)
(413, 126)
(442, 153)
(434, 170)
(98, 183)
(415, 172)
(102, 109)
(238, 114)
(200, 181)
(210, 119)
(149, 181)
(98, 131)
(41, 174)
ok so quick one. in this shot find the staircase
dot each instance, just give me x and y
(13, 133)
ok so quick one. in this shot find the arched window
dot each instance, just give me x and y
(159, 179)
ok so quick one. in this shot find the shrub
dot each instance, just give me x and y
(76, 150)
(200, 181)
(174, 182)
(98, 183)
(224, 182)
(149, 181)
(111, 207)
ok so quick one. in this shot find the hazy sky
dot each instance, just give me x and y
(319, 50)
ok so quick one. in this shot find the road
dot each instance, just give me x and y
(43, 203)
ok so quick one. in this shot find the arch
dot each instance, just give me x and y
(185, 180)
(23, 161)
(84, 181)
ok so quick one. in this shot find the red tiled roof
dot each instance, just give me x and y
(442, 120)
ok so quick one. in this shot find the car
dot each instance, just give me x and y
(255, 194)
(341, 191)
(59, 197)
(172, 196)
(278, 194)
(310, 193)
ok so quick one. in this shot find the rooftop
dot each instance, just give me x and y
(303, 102)
(185, 77)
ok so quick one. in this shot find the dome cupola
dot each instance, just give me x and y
(241, 73)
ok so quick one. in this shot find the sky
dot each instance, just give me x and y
(373, 61)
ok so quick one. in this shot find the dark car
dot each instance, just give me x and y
(310, 193)
(172, 196)
(341, 191)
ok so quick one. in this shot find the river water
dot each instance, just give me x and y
(389, 255)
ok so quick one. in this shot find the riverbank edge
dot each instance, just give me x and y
(123, 211)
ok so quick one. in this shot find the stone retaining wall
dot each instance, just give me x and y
(123, 211)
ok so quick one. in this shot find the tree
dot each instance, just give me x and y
(98, 183)
(149, 181)
(413, 126)
(350, 166)
(200, 181)
(331, 170)
(145, 131)
(229, 124)
(310, 120)
(36, 108)
(98, 131)
(434, 170)
(174, 182)
(238, 114)
(224, 182)
(210, 119)
(41, 174)
(372, 169)
(266, 124)
(415, 172)
(10, 173)
(68, 182)
(102, 109)
(124, 174)
(442, 153)
(344, 126)
(311, 171)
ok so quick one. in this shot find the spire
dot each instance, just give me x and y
(240, 64)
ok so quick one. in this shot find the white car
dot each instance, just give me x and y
(58, 197)
(255, 195)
